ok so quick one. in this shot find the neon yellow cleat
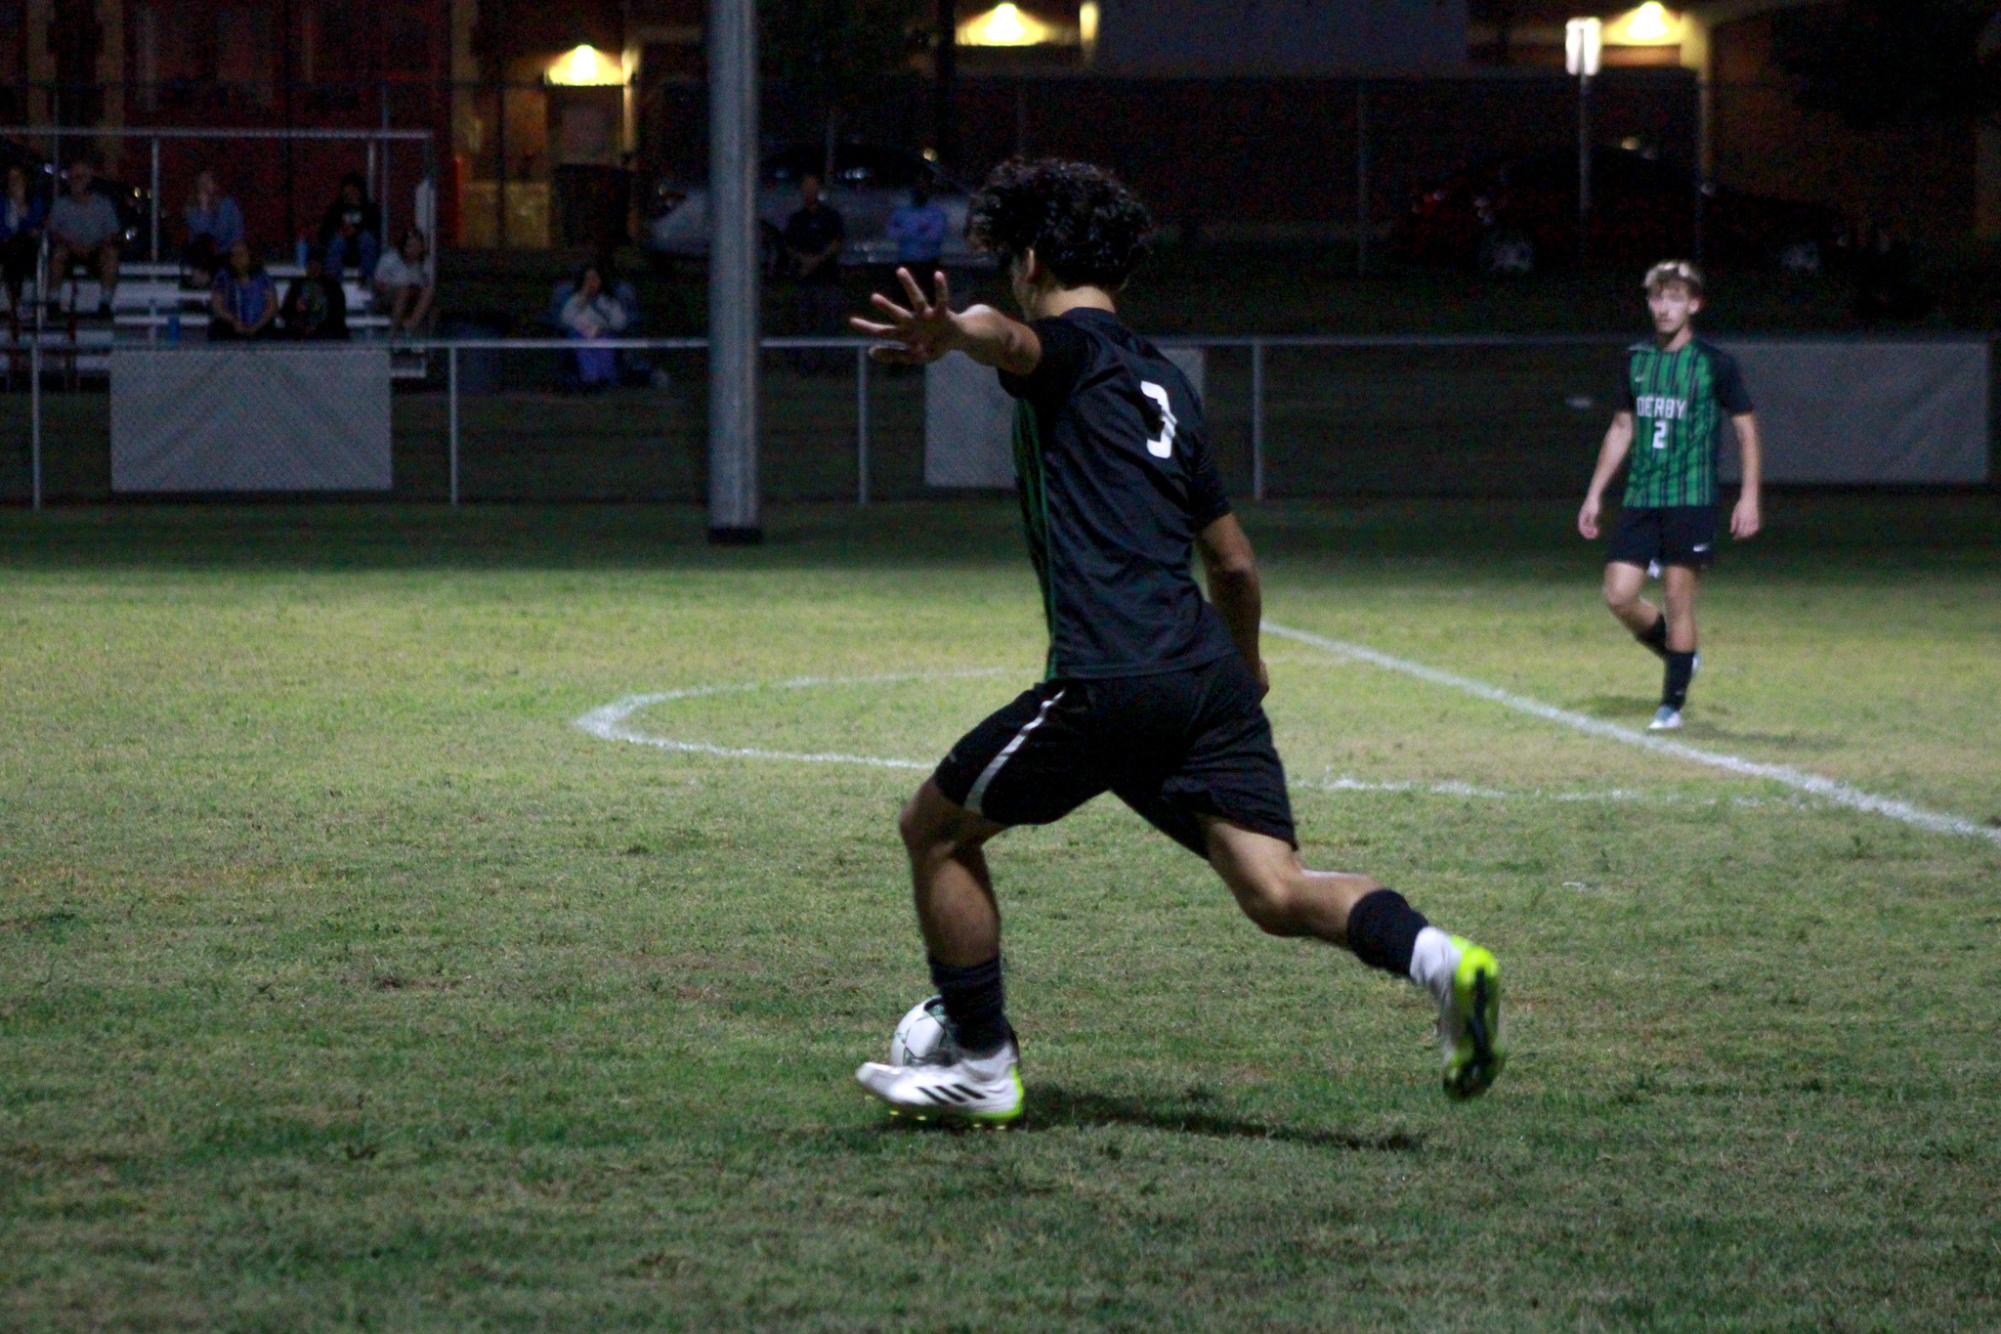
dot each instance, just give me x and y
(1469, 1024)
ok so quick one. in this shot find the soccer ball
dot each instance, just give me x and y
(923, 1036)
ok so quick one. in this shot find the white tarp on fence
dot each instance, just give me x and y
(268, 418)
(1867, 412)
(969, 419)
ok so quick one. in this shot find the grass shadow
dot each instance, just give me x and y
(1055, 1107)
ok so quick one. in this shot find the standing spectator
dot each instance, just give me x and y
(214, 223)
(351, 229)
(245, 303)
(918, 228)
(83, 229)
(813, 239)
(403, 288)
(21, 220)
(315, 306)
(593, 312)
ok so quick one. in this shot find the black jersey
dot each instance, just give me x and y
(1116, 479)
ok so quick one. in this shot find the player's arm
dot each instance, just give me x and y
(929, 328)
(1233, 587)
(1618, 441)
(1745, 517)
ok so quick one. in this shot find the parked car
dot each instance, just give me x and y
(130, 201)
(869, 182)
(1514, 215)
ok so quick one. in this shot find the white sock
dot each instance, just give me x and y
(993, 1065)
(1432, 961)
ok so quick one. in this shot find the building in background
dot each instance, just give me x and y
(546, 119)
(1937, 179)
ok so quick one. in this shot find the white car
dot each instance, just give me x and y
(867, 185)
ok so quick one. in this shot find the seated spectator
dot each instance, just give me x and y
(590, 313)
(245, 304)
(315, 306)
(83, 229)
(351, 229)
(918, 228)
(403, 288)
(215, 224)
(21, 220)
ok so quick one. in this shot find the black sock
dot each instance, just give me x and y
(1680, 667)
(1382, 931)
(1655, 637)
(974, 1003)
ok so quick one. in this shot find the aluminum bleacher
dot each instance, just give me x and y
(153, 304)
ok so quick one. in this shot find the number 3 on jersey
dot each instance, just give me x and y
(1162, 445)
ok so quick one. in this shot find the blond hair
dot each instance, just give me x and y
(1674, 271)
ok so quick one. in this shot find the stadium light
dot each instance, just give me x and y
(1583, 46)
(1006, 25)
(586, 67)
(1649, 25)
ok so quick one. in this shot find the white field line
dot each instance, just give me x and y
(1827, 789)
(613, 722)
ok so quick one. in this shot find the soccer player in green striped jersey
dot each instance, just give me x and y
(1678, 392)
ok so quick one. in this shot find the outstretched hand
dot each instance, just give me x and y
(921, 333)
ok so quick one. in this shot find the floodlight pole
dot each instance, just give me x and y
(733, 287)
(1583, 45)
(1583, 166)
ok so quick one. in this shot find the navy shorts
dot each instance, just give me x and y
(1669, 534)
(1173, 746)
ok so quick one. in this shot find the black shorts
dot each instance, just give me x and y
(1173, 746)
(1669, 534)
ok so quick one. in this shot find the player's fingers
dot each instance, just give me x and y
(890, 354)
(891, 309)
(917, 303)
(942, 286)
(872, 329)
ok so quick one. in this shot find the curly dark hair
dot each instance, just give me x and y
(1083, 223)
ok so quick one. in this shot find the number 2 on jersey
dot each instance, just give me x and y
(1162, 445)
(1660, 433)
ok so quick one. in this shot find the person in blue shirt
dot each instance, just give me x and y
(246, 300)
(21, 219)
(215, 223)
(918, 228)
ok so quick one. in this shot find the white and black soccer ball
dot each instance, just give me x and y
(924, 1036)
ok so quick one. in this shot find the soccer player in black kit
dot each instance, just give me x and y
(1151, 692)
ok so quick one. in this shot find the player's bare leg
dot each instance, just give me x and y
(1286, 898)
(1679, 583)
(956, 908)
(1623, 583)
(960, 919)
(1277, 891)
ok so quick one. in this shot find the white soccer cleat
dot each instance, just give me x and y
(984, 1090)
(1666, 719)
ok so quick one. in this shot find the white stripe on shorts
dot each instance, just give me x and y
(994, 765)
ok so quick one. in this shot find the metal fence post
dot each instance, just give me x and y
(35, 419)
(1257, 419)
(156, 199)
(861, 426)
(452, 417)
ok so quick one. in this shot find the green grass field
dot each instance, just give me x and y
(345, 982)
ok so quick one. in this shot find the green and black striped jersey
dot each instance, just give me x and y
(1681, 404)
